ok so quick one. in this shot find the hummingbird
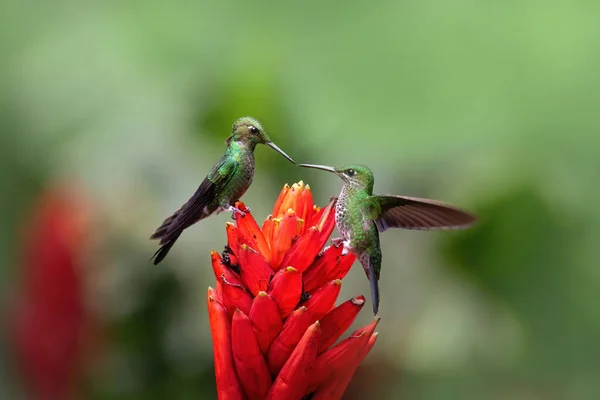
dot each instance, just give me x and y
(361, 215)
(226, 182)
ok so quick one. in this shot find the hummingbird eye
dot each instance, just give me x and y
(253, 129)
(350, 172)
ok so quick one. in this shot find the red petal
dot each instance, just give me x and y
(315, 216)
(341, 360)
(235, 238)
(228, 385)
(251, 367)
(343, 345)
(335, 323)
(282, 347)
(220, 269)
(286, 289)
(291, 381)
(328, 266)
(249, 228)
(333, 389)
(233, 260)
(254, 269)
(304, 250)
(300, 227)
(242, 207)
(371, 343)
(266, 320)
(297, 323)
(341, 268)
(235, 296)
(291, 199)
(316, 273)
(323, 299)
(327, 221)
(282, 196)
(283, 236)
(268, 227)
(305, 209)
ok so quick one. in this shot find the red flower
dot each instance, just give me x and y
(273, 316)
(50, 318)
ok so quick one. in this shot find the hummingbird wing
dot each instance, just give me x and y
(416, 213)
(197, 207)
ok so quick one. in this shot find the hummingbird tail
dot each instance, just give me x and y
(374, 289)
(369, 267)
(162, 252)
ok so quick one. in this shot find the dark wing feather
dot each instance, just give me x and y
(416, 213)
(188, 214)
(199, 206)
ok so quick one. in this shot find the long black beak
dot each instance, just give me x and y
(277, 149)
(323, 167)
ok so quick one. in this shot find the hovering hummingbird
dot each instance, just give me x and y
(226, 182)
(360, 216)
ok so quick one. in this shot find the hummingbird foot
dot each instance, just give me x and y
(346, 248)
(236, 212)
(337, 242)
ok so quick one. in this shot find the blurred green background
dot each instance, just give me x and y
(493, 107)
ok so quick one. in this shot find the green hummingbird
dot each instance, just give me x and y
(226, 182)
(360, 216)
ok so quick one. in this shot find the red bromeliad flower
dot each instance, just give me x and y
(49, 320)
(273, 316)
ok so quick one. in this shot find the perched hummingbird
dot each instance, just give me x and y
(360, 216)
(226, 182)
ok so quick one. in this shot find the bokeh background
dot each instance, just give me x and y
(112, 112)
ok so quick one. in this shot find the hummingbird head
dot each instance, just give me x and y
(356, 175)
(250, 132)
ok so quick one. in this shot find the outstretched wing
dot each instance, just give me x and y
(416, 213)
(200, 205)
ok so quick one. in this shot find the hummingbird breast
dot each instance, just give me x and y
(349, 220)
(342, 215)
(241, 181)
